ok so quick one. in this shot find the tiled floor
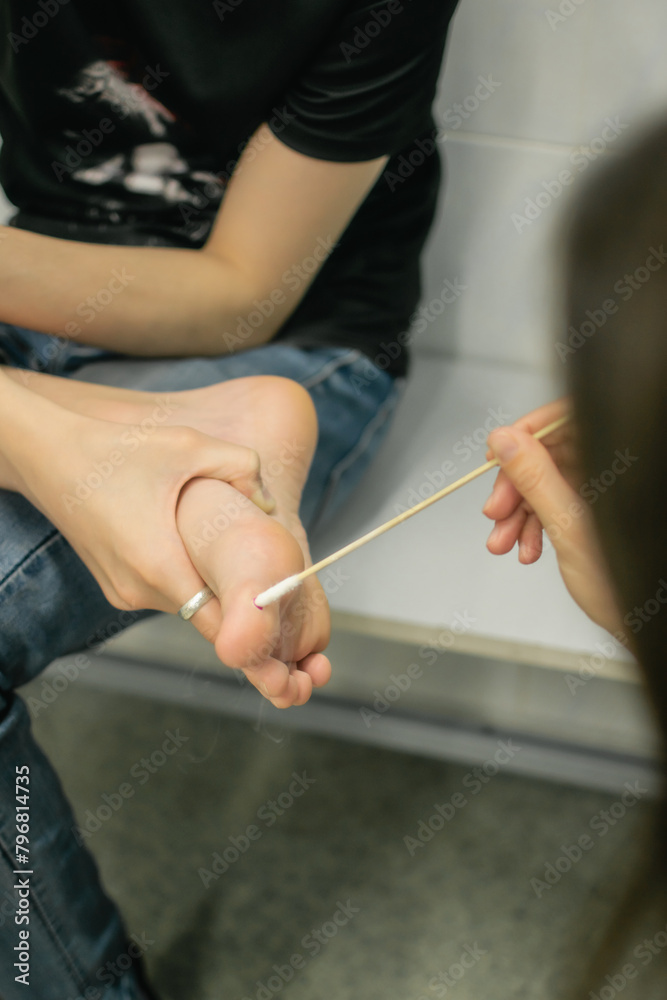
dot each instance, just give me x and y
(457, 916)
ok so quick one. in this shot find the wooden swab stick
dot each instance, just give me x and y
(292, 582)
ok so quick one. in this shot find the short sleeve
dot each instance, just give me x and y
(368, 92)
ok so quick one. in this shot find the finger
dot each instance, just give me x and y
(173, 580)
(233, 464)
(527, 463)
(531, 540)
(182, 582)
(208, 620)
(504, 499)
(506, 533)
(542, 417)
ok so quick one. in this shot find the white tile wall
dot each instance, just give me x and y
(539, 70)
(560, 76)
(504, 263)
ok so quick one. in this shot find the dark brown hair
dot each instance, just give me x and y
(616, 369)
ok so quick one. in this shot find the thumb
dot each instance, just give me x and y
(237, 465)
(531, 470)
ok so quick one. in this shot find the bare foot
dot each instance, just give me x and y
(237, 548)
(240, 551)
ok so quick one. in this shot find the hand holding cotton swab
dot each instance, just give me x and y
(274, 593)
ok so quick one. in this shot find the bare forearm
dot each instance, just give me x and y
(138, 300)
(280, 218)
(103, 402)
(31, 431)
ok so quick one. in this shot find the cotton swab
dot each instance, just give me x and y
(285, 586)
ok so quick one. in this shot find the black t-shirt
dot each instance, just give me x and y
(122, 121)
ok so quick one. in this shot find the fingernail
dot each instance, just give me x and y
(268, 496)
(264, 500)
(493, 536)
(265, 691)
(504, 445)
(485, 508)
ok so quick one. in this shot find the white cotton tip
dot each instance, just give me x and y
(274, 594)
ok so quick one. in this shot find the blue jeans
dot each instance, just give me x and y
(50, 606)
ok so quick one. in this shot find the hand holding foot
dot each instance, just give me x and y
(239, 550)
(242, 552)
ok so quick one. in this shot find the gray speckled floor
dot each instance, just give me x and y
(405, 920)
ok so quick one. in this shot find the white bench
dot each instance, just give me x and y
(509, 636)
(495, 647)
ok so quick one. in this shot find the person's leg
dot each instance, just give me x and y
(269, 414)
(50, 605)
(354, 400)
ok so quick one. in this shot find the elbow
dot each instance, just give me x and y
(248, 311)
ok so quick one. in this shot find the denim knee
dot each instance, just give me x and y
(50, 604)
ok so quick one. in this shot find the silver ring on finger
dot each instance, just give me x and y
(192, 606)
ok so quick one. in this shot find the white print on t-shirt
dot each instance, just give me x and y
(152, 168)
(101, 81)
